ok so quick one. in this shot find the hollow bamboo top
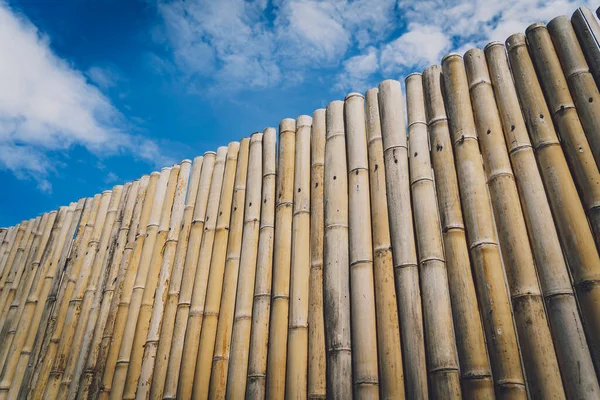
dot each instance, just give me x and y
(303, 120)
(476, 67)
(185, 161)
(492, 44)
(256, 137)
(534, 26)
(515, 40)
(411, 75)
(232, 150)
(287, 125)
(450, 55)
(353, 94)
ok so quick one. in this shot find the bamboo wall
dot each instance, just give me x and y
(449, 252)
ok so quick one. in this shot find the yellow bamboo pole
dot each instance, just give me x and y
(336, 264)
(571, 347)
(485, 252)
(184, 271)
(222, 280)
(229, 374)
(402, 237)
(391, 377)
(253, 386)
(201, 243)
(442, 357)
(574, 232)
(362, 290)
(8, 262)
(13, 261)
(297, 345)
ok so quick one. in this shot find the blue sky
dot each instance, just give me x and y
(97, 93)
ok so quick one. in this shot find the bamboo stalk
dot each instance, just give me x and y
(222, 280)
(201, 243)
(253, 387)
(296, 381)
(184, 271)
(336, 264)
(6, 247)
(440, 342)
(13, 262)
(391, 377)
(402, 236)
(574, 232)
(572, 350)
(362, 290)
(229, 372)
(8, 262)
(588, 32)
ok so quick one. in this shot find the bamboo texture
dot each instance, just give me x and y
(588, 32)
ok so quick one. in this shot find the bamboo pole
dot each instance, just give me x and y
(489, 273)
(196, 269)
(222, 280)
(391, 377)
(150, 260)
(336, 264)
(316, 323)
(182, 280)
(588, 32)
(296, 381)
(7, 244)
(402, 237)
(442, 356)
(539, 357)
(574, 232)
(14, 258)
(571, 347)
(181, 219)
(253, 386)
(362, 290)
(229, 374)
(8, 262)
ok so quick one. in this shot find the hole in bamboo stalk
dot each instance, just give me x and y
(562, 108)
(590, 99)
(376, 167)
(354, 174)
(234, 208)
(250, 205)
(265, 201)
(416, 154)
(334, 178)
(542, 116)
(220, 213)
(512, 128)
(299, 190)
(489, 131)
(317, 184)
(439, 147)
(395, 161)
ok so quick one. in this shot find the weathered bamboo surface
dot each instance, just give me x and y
(448, 251)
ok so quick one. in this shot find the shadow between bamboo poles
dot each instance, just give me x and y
(8, 262)
(571, 347)
(336, 264)
(442, 357)
(489, 272)
(476, 377)
(574, 232)
(7, 244)
(391, 377)
(196, 268)
(216, 204)
(257, 352)
(96, 294)
(239, 302)
(164, 245)
(296, 379)
(173, 260)
(395, 155)
(182, 280)
(539, 357)
(588, 32)
(362, 290)
(568, 125)
(222, 280)
(151, 256)
(229, 371)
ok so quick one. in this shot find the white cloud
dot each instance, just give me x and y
(357, 70)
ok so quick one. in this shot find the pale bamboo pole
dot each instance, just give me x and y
(362, 289)
(243, 289)
(151, 253)
(230, 371)
(8, 262)
(485, 252)
(12, 264)
(391, 377)
(316, 324)
(574, 232)
(182, 281)
(222, 280)
(571, 347)
(588, 32)
(537, 349)
(7, 244)
(253, 385)
(201, 243)
(183, 208)
(440, 342)
(296, 381)
(395, 155)
(3, 235)
(336, 264)
(211, 259)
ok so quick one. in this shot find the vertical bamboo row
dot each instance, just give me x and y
(588, 32)
(336, 264)
(485, 252)
(395, 155)
(6, 247)
(571, 347)
(222, 280)
(13, 263)
(259, 331)
(440, 343)
(296, 381)
(8, 262)
(362, 290)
